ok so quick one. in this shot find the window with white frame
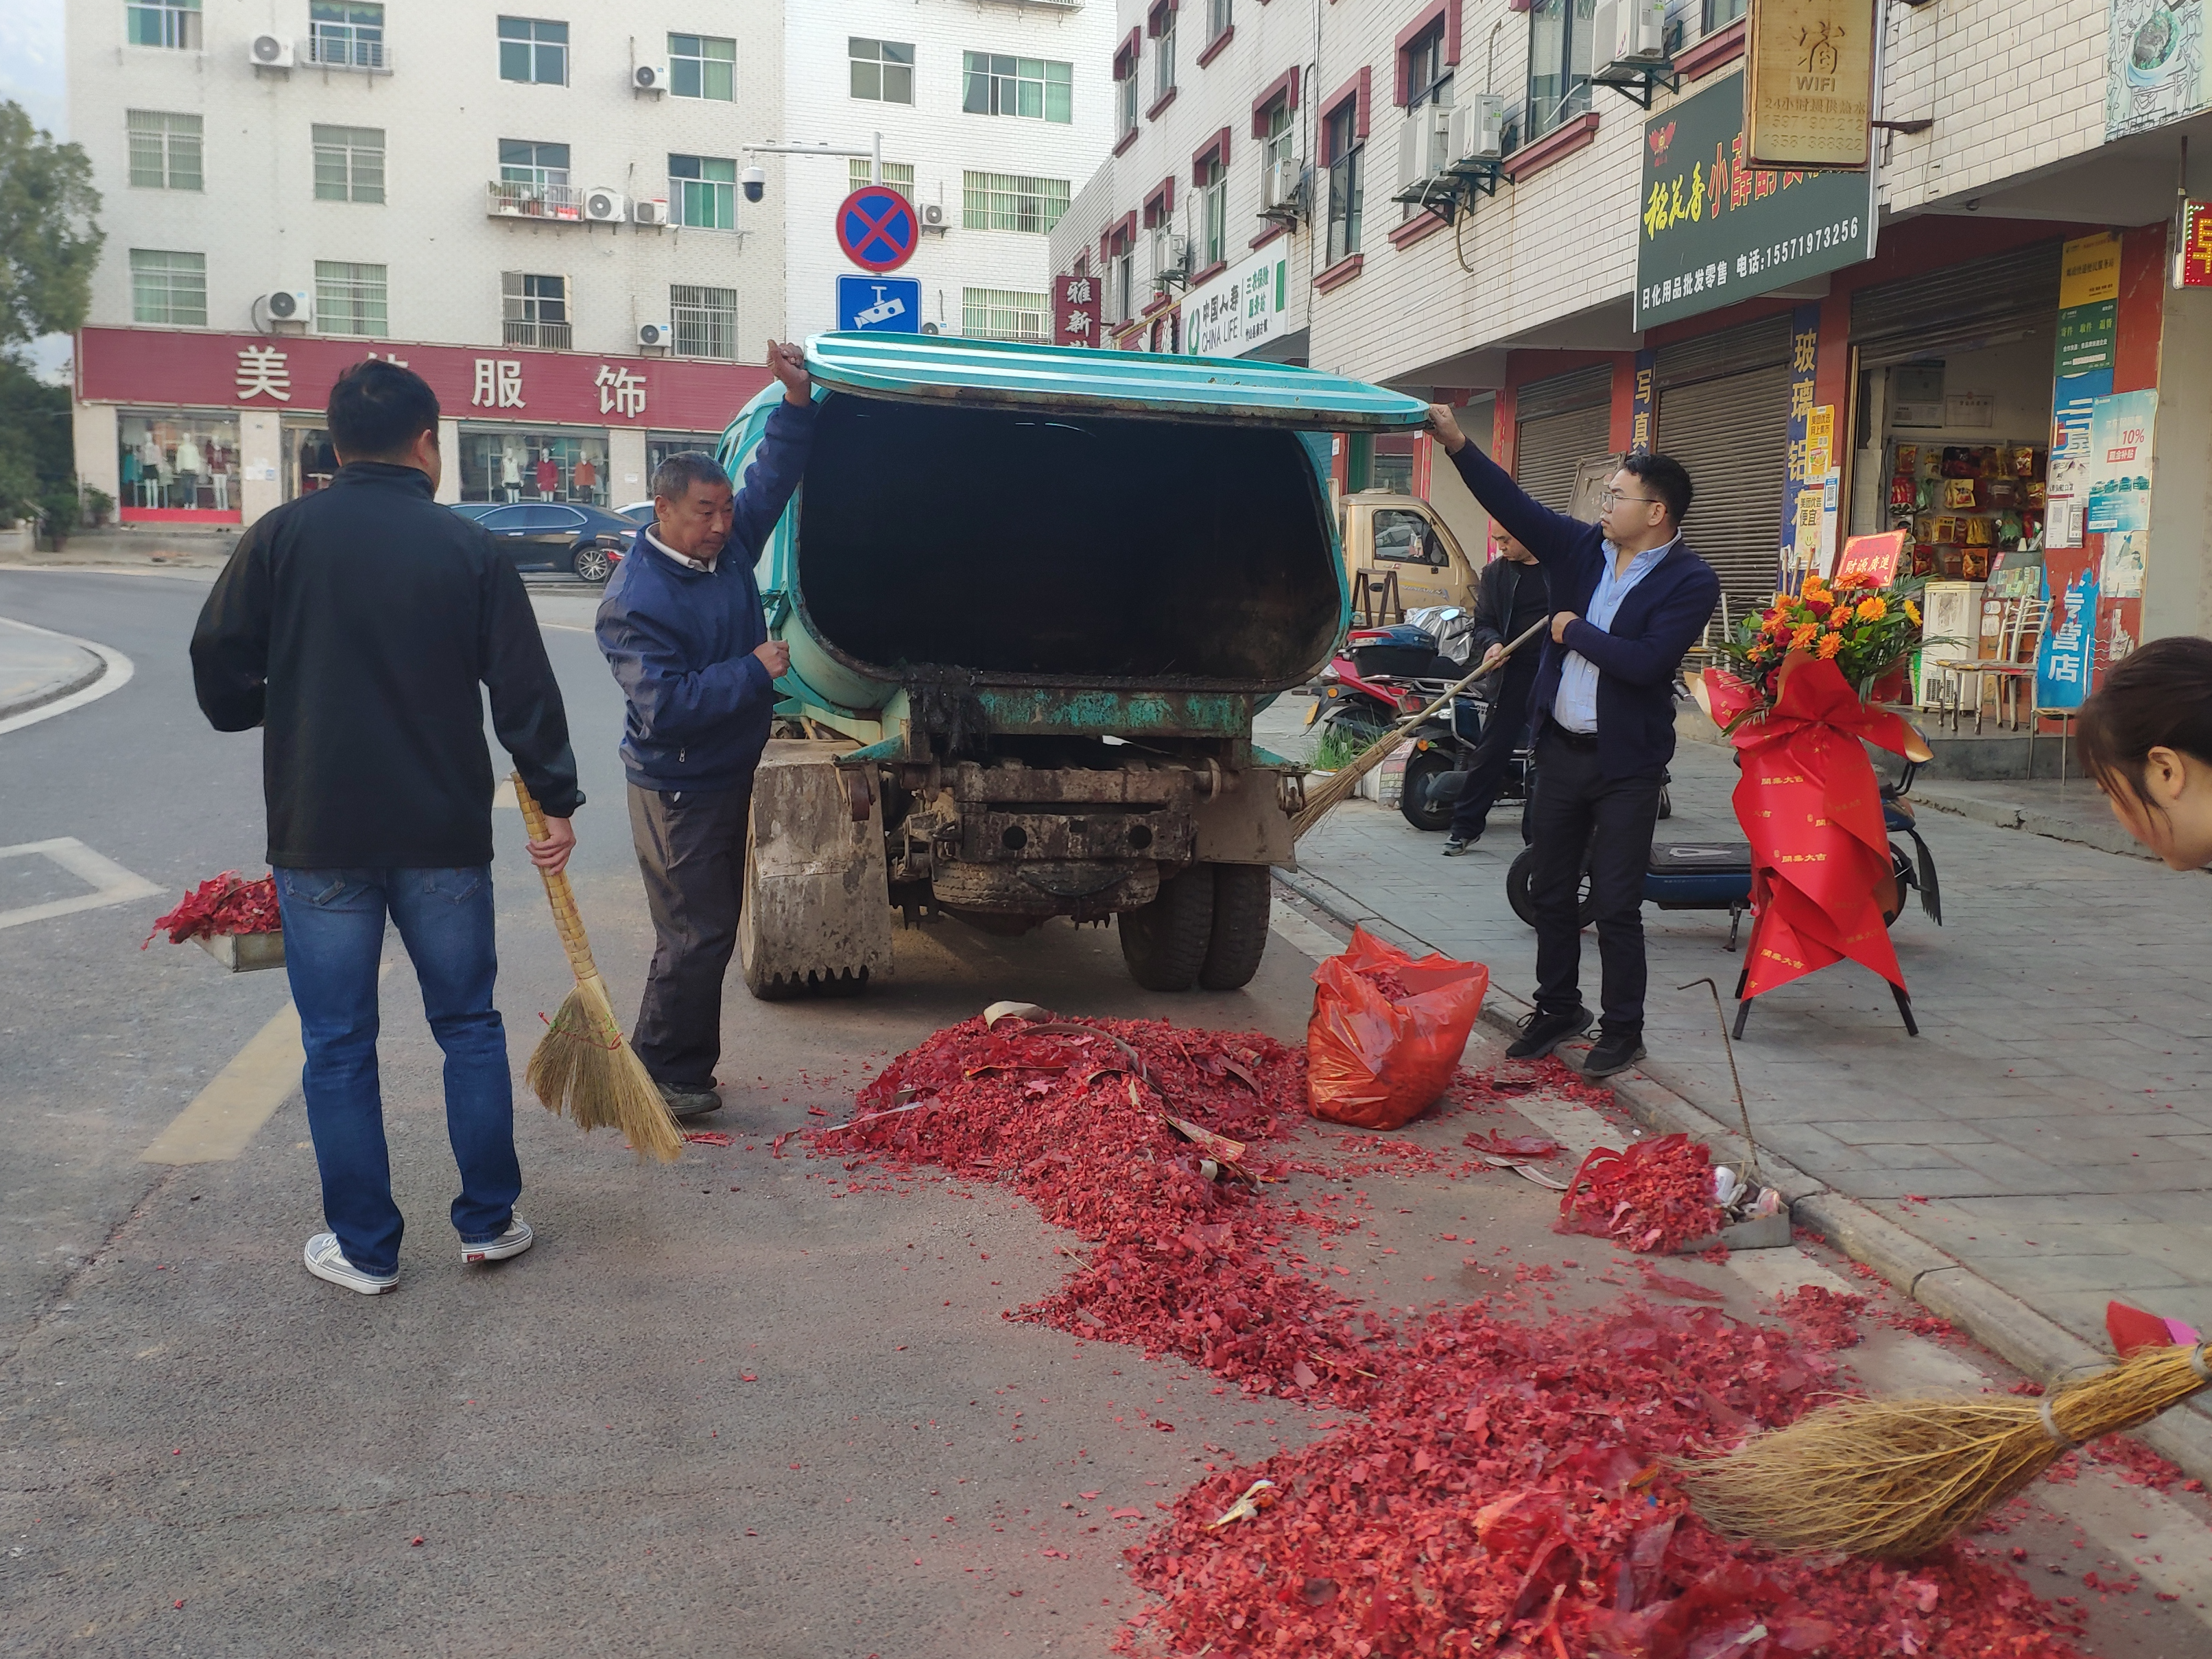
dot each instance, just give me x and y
(1212, 210)
(703, 66)
(351, 298)
(1009, 200)
(1217, 19)
(1122, 280)
(169, 287)
(348, 164)
(998, 313)
(165, 150)
(882, 71)
(899, 175)
(534, 309)
(702, 191)
(1034, 89)
(1125, 94)
(705, 321)
(1164, 52)
(345, 34)
(1278, 150)
(172, 23)
(533, 49)
(533, 165)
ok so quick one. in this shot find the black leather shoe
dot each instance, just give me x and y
(1540, 1033)
(1615, 1051)
(689, 1101)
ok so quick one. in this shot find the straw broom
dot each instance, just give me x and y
(1892, 1479)
(583, 1067)
(1341, 784)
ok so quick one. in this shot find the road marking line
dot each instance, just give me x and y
(237, 1100)
(111, 883)
(120, 670)
(1309, 937)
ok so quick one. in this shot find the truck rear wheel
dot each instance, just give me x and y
(1164, 942)
(1242, 895)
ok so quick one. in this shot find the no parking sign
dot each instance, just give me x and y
(876, 228)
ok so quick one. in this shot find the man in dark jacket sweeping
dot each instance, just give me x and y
(1630, 599)
(682, 628)
(354, 626)
(1510, 598)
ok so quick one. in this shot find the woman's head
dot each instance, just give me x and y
(2146, 737)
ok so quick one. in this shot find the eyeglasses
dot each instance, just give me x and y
(1609, 495)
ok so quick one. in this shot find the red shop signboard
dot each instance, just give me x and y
(165, 368)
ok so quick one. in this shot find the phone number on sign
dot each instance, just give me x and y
(1759, 261)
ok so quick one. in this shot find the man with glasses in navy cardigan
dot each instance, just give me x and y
(1632, 599)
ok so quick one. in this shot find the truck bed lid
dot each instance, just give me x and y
(1015, 374)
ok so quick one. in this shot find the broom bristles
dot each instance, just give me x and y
(584, 1070)
(1892, 1479)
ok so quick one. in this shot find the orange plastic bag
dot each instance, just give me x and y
(1377, 1061)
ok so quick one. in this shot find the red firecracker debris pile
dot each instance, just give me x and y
(1510, 1494)
(1821, 1318)
(228, 904)
(1656, 1195)
(1074, 1115)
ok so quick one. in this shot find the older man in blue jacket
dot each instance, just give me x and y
(682, 628)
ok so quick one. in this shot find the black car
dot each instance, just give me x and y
(586, 541)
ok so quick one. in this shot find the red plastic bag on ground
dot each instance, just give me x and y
(1386, 1031)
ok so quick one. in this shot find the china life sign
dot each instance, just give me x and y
(1713, 228)
(1238, 310)
(1809, 83)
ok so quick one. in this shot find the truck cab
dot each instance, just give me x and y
(1397, 546)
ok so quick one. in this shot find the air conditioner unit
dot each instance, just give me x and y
(606, 207)
(1170, 258)
(1628, 38)
(1477, 129)
(654, 334)
(651, 212)
(932, 215)
(1283, 187)
(1424, 138)
(290, 305)
(269, 51)
(650, 77)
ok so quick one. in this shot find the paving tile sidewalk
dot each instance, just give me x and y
(2050, 1127)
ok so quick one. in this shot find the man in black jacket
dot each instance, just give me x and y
(355, 626)
(1510, 598)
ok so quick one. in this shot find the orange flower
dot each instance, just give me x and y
(1873, 608)
(1803, 635)
(1830, 646)
(1852, 579)
(1912, 613)
(1759, 653)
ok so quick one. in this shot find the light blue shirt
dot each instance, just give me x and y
(1575, 706)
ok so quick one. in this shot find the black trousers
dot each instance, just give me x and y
(691, 850)
(1502, 733)
(1576, 808)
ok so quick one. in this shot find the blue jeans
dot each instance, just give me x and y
(333, 939)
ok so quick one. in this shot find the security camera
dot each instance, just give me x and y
(756, 183)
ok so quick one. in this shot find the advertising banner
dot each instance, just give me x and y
(1809, 80)
(1238, 310)
(2120, 432)
(1075, 311)
(2154, 68)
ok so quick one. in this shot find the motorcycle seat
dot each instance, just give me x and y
(1700, 858)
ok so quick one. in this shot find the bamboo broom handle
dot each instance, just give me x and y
(566, 921)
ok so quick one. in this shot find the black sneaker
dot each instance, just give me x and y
(689, 1101)
(1540, 1033)
(1615, 1051)
(1454, 845)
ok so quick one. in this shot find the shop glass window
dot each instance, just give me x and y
(660, 446)
(345, 34)
(1163, 53)
(705, 321)
(702, 191)
(534, 309)
(168, 288)
(1558, 62)
(1347, 157)
(998, 313)
(1428, 77)
(703, 66)
(883, 70)
(348, 164)
(1219, 14)
(310, 461)
(1213, 212)
(172, 23)
(1125, 94)
(899, 175)
(165, 150)
(1034, 89)
(1010, 201)
(351, 298)
(533, 467)
(179, 461)
(532, 49)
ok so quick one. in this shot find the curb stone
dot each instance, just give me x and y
(54, 692)
(1999, 1321)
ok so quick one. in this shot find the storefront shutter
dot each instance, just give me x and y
(1732, 351)
(1731, 433)
(1540, 399)
(1559, 423)
(1962, 307)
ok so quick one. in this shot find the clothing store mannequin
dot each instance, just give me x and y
(510, 472)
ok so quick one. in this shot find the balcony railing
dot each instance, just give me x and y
(516, 199)
(553, 337)
(347, 51)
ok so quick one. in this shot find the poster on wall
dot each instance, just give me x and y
(2120, 576)
(2120, 431)
(2155, 67)
(1809, 83)
(2067, 654)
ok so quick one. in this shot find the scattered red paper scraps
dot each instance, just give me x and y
(706, 1137)
(1675, 1285)
(1821, 1318)
(1510, 1493)
(747, 1376)
(1494, 1144)
(228, 904)
(1656, 1195)
(1086, 1494)
(817, 1111)
(414, 1543)
(776, 1146)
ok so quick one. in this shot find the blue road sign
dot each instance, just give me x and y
(885, 305)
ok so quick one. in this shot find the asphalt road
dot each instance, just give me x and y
(209, 1453)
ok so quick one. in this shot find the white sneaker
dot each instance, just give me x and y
(515, 1241)
(326, 1261)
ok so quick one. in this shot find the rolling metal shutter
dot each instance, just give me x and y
(1732, 433)
(1963, 308)
(1732, 351)
(1558, 424)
